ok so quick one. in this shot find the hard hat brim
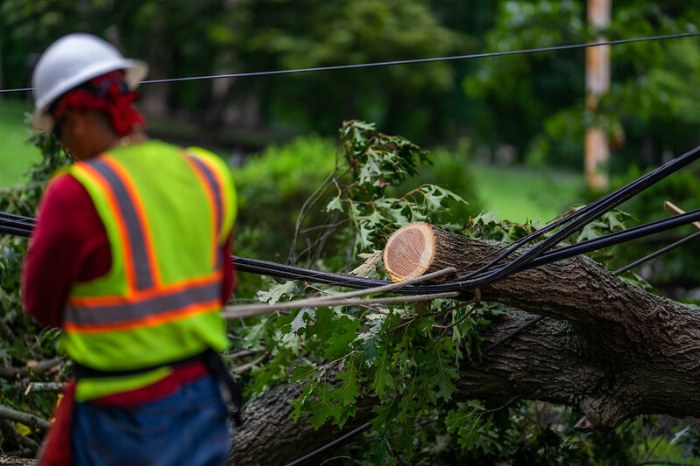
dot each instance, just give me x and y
(134, 72)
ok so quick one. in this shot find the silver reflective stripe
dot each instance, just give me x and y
(132, 312)
(137, 241)
(214, 188)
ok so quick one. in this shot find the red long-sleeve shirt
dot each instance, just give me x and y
(70, 244)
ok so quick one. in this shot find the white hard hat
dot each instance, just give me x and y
(72, 61)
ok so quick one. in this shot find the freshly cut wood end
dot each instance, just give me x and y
(409, 251)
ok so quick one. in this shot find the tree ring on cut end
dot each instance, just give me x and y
(409, 251)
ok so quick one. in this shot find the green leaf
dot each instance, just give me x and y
(323, 406)
(472, 429)
(368, 269)
(300, 321)
(383, 381)
(276, 292)
(370, 339)
(349, 388)
(344, 333)
(335, 204)
(256, 334)
(445, 371)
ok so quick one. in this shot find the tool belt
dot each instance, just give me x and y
(210, 358)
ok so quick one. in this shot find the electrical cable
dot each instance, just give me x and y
(616, 238)
(18, 218)
(296, 273)
(331, 444)
(578, 219)
(494, 270)
(299, 273)
(407, 61)
(655, 254)
(15, 231)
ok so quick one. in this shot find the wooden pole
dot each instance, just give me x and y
(597, 151)
(674, 209)
(2, 84)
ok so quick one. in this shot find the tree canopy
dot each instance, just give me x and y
(532, 103)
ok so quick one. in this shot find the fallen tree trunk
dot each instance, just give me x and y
(604, 347)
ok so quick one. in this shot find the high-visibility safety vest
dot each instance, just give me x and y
(167, 211)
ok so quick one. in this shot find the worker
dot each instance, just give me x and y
(131, 259)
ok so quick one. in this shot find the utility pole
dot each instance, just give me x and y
(2, 85)
(597, 151)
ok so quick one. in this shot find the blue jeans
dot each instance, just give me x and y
(188, 427)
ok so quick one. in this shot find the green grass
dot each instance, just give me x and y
(520, 194)
(16, 156)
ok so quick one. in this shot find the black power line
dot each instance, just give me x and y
(8, 225)
(407, 61)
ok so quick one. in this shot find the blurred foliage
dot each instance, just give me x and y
(646, 114)
(272, 187)
(24, 345)
(530, 104)
(271, 34)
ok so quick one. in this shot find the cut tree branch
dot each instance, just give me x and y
(604, 347)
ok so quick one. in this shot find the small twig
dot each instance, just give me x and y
(244, 353)
(38, 387)
(323, 227)
(25, 418)
(41, 366)
(475, 304)
(308, 203)
(10, 430)
(6, 332)
(336, 458)
(674, 209)
(247, 366)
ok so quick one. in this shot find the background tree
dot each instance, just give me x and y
(270, 35)
(532, 104)
(546, 91)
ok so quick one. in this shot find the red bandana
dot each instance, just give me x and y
(107, 93)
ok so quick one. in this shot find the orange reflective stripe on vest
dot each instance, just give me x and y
(139, 255)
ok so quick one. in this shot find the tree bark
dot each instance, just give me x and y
(602, 346)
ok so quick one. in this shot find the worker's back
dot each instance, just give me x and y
(166, 212)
